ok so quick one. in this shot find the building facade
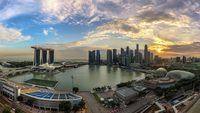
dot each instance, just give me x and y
(98, 57)
(40, 59)
(109, 57)
(9, 89)
(115, 56)
(91, 58)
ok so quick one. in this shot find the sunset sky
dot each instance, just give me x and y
(72, 27)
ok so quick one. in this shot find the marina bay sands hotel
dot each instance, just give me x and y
(47, 56)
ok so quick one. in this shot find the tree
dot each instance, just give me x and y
(20, 98)
(109, 87)
(76, 108)
(7, 109)
(18, 110)
(82, 104)
(65, 106)
(30, 101)
(75, 89)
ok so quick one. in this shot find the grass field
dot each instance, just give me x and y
(40, 82)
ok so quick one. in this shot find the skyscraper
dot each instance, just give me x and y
(146, 54)
(44, 56)
(91, 57)
(51, 56)
(184, 59)
(115, 56)
(122, 57)
(137, 54)
(151, 58)
(178, 59)
(127, 51)
(122, 51)
(127, 57)
(131, 56)
(98, 57)
(109, 57)
(139, 57)
(36, 57)
(157, 59)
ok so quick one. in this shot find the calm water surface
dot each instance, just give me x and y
(85, 77)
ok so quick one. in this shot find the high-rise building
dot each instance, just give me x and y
(115, 56)
(122, 51)
(146, 55)
(131, 56)
(36, 57)
(127, 51)
(178, 59)
(127, 60)
(184, 59)
(122, 59)
(140, 57)
(91, 57)
(151, 58)
(90, 60)
(51, 56)
(137, 54)
(109, 57)
(44, 56)
(98, 57)
(157, 59)
(127, 57)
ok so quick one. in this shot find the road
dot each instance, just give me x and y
(5, 102)
(92, 105)
(195, 107)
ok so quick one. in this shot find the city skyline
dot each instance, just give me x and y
(73, 27)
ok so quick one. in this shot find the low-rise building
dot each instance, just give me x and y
(9, 89)
(126, 95)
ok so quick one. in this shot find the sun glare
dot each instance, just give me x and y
(159, 50)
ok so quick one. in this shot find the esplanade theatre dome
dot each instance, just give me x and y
(179, 74)
(160, 72)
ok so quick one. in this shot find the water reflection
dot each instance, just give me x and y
(85, 77)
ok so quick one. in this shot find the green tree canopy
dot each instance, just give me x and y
(7, 109)
(18, 110)
(75, 89)
(65, 106)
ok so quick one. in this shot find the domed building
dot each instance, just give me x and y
(179, 74)
(160, 72)
(149, 76)
(164, 82)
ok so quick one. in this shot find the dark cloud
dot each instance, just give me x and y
(128, 28)
(109, 6)
(194, 47)
(151, 16)
(173, 4)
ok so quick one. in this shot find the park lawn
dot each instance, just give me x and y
(40, 82)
